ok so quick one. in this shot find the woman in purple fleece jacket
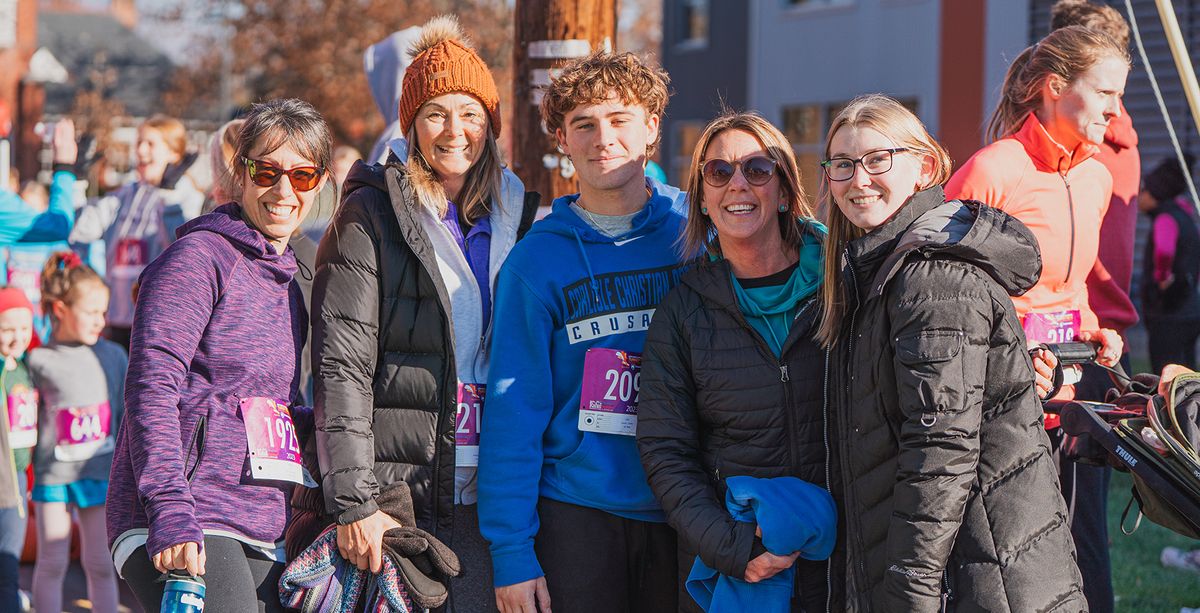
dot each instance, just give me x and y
(207, 456)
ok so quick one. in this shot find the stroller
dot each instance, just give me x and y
(1155, 439)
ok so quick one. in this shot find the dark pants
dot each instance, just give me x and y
(598, 562)
(1085, 488)
(12, 540)
(1172, 342)
(237, 578)
(472, 591)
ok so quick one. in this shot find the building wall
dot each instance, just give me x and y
(703, 75)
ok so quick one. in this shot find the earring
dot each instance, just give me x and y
(783, 208)
(704, 210)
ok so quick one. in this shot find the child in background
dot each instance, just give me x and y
(18, 432)
(80, 378)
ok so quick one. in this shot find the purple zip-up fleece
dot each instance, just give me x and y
(218, 319)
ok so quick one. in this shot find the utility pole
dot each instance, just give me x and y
(550, 33)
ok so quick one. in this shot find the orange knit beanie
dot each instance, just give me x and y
(443, 62)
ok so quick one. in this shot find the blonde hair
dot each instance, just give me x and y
(64, 279)
(597, 77)
(699, 233)
(221, 150)
(890, 118)
(173, 132)
(480, 186)
(1067, 52)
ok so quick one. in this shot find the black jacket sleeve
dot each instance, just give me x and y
(668, 436)
(941, 343)
(345, 303)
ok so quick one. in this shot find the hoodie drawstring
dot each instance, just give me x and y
(587, 264)
(305, 272)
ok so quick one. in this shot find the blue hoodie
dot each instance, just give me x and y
(384, 64)
(564, 289)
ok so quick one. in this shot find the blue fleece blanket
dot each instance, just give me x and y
(794, 515)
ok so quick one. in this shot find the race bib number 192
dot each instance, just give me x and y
(273, 446)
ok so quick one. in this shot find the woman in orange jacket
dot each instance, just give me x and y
(1059, 97)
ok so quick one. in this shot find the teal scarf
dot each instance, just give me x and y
(771, 310)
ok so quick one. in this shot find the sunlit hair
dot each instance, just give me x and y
(699, 233)
(1092, 16)
(596, 78)
(270, 125)
(480, 186)
(65, 278)
(1067, 52)
(173, 132)
(221, 149)
(893, 120)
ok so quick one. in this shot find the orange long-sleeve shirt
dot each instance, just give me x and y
(1061, 195)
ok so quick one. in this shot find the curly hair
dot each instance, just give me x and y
(599, 76)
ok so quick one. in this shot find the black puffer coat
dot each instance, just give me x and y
(946, 478)
(383, 357)
(715, 402)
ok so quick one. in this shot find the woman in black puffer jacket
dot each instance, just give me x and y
(731, 384)
(944, 475)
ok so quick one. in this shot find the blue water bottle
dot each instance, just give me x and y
(182, 593)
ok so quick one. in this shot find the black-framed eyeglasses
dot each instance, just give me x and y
(874, 162)
(266, 174)
(757, 170)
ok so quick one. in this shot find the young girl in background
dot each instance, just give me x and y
(18, 431)
(80, 379)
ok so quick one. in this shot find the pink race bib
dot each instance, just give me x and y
(1060, 327)
(22, 417)
(609, 395)
(467, 421)
(83, 432)
(131, 252)
(271, 440)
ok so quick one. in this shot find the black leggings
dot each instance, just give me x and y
(237, 578)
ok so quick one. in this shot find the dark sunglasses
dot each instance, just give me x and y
(266, 174)
(757, 170)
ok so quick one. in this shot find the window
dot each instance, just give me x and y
(687, 134)
(693, 22)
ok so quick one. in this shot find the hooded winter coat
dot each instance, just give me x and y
(946, 480)
(385, 368)
(219, 319)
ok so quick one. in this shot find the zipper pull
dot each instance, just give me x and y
(783, 373)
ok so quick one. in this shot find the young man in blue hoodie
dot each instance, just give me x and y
(563, 497)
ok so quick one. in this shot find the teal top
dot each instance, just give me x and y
(770, 304)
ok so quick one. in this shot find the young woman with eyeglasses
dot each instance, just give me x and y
(731, 378)
(943, 473)
(207, 456)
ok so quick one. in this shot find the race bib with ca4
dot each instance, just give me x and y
(467, 420)
(1058, 327)
(274, 448)
(609, 397)
(22, 416)
(83, 432)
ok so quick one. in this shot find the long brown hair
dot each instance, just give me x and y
(699, 232)
(480, 186)
(890, 118)
(1067, 52)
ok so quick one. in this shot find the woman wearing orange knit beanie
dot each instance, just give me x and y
(402, 312)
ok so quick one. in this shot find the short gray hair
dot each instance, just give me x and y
(292, 121)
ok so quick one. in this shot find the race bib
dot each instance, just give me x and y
(1060, 327)
(83, 432)
(274, 448)
(609, 397)
(130, 257)
(22, 417)
(467, 420)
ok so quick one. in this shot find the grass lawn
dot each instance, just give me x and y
(1141, 583)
